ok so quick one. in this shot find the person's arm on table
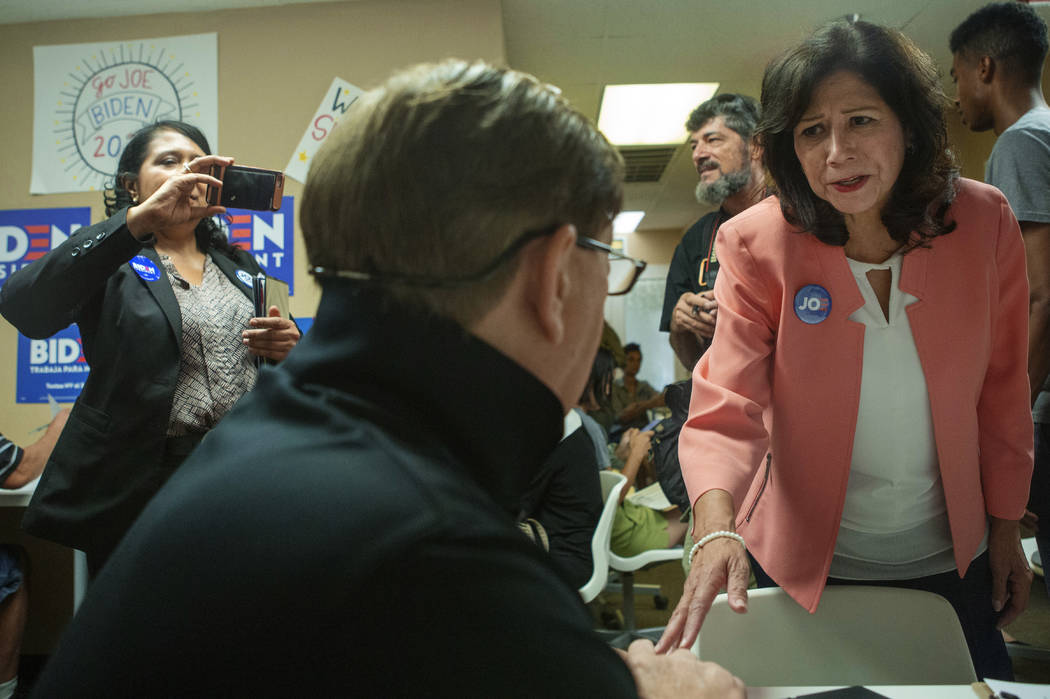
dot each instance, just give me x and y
(679, 674)
(35, 455)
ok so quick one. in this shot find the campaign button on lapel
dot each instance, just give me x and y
(812, 304)
(244, 277)
(145, 268)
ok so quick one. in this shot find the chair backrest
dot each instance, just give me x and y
(644, 559)
(858, 635)
(612, 484)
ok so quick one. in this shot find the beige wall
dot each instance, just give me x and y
(275, 65)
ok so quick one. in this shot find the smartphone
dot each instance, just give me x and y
(652, 425)
(259, 294)
(246, 188)
(259, 299)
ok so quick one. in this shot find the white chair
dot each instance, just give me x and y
(612, 483)
(1031, 553)
(859, 635)
(626, 567)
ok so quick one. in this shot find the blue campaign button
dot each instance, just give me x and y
(244, 277)
(812, 304)
(145, 268)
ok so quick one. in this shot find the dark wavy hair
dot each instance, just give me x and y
(601, 377)
(1009, 32)
(739, 111)
(907, 81)
(118, 196)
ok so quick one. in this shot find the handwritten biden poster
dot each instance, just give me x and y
(334, 104)
(89, 98)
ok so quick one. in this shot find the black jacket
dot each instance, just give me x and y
(106, 464)
(348, 530)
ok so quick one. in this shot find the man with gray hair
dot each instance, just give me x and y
(729, 165)
(348, 529)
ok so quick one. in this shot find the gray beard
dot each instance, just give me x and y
(724, 187)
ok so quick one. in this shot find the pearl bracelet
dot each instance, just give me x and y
(715, 535)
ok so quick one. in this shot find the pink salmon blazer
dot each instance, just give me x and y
(771, 383)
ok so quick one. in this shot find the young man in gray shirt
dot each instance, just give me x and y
(997, 66)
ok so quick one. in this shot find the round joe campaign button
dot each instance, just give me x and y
(812, 304)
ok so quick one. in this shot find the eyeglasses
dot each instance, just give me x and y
(623, 270)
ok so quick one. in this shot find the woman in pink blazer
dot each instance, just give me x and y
(863, 414)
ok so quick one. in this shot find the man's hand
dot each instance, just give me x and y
(1011, 576)
(720, 563)
(272, 337)
(695, 313)
(678, 674)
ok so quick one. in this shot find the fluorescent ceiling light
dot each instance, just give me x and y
(636, 115)
(627, 221)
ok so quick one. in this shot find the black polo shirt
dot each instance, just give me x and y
(694, 265)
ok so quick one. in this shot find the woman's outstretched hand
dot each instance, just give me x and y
(721, 563)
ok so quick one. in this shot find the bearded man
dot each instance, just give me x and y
(729, 165)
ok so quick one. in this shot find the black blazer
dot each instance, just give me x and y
(107, 462)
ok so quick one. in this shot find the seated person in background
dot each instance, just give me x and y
(636, 528)
(565, 498)
(601, 410)
(632, 397)
(18, 467)
(348, 528)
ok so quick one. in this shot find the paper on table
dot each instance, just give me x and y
(651, 496)
(1021, 690)
(855, 692)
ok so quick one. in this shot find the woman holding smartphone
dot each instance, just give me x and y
(165, 312)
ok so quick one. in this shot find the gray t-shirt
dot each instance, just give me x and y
(597, 435)
(1020, 167)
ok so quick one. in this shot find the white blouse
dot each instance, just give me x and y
(895, 522)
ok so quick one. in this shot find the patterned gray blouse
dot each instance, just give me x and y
(216, 367)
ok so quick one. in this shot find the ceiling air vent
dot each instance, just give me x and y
(646, 163)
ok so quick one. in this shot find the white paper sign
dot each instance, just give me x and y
(89, 98)
(334, 104)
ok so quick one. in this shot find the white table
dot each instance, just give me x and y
(955, 691)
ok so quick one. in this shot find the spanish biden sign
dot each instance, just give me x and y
(51, 367)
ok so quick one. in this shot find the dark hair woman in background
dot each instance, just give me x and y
(164, 305)
(862, 415)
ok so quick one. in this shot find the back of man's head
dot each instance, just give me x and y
(1010, 32)
(740, 112)
(432, 176)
